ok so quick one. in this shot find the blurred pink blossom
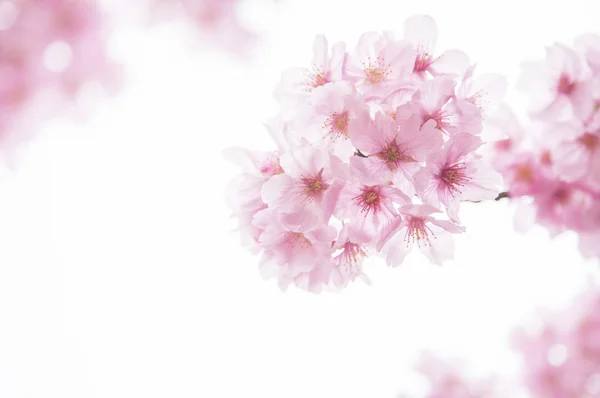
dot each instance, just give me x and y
(218, 20)
(561, 351)
(371, 144)
(445, 378)
(48, 49)
(552, 163)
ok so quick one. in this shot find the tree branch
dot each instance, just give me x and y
(359, 153)
(500, 196)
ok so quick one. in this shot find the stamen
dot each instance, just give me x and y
(376, 71)
(313, 186)
(353, 253)
(337, 124)
(423, 60)
(524, 173)
(297, 239)
(546, 158)
(271, 168)
(562, 195)
(392, 154)
(565, 85)
(589, 141)
(443, 119)
(418, 231)
(316, 78)
(369, 199)
(455, 177)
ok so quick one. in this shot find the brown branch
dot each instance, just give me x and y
(500, 196)
(359, 153)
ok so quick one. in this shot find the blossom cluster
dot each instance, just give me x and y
(562, 357)
(218, 19)
(377, 148)
(48, 46)
(553, 163)
(450, 378)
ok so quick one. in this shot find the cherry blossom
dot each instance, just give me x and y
(561, 350)
(376, 149)
(217, 20)
(551, 162)
(451, 378)
(49, 52)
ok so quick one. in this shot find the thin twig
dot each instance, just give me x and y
(501, 195)
(359, 153)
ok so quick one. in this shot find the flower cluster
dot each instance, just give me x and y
(377, 148)
(450, 379)
(48, 46)
(218, 19)
(556, 164)
(562, 358)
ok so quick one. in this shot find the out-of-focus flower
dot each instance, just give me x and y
(553, 162)
(218, 20)
(561, 359)
(444, 378)
(372, 142)
(49, 51)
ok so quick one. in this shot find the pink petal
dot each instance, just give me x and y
(427, 140)
(320, 51)
(363, 134)
(460, 145)
(427, 185)
(396, 252)
(484, 184)
(451, 62)
(330, 200)
(421, 30)
(449, 226)
(441, 249)
(418, 210)
(389, 230)
(274, 189)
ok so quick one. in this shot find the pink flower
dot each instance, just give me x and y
(307, 192)
(362, 138)
(421, 30)
(589, 46)
(508, 134)
(578, 156)
(562, 358)
(483, 91)
(351, 252)
(558, 86)
(588, 241)
(369, 206)
(379, 63)
(296, 257)
(395, 149)
(216, 19)
(436, 100)
(297, 83)
(563, 206)
(418, 226)
(48, 48)
(244, 192)
(447, 378)
(454, 175)
(475, 96)
(552, 165)
(328, 117)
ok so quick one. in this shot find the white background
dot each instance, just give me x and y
(119, 276)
